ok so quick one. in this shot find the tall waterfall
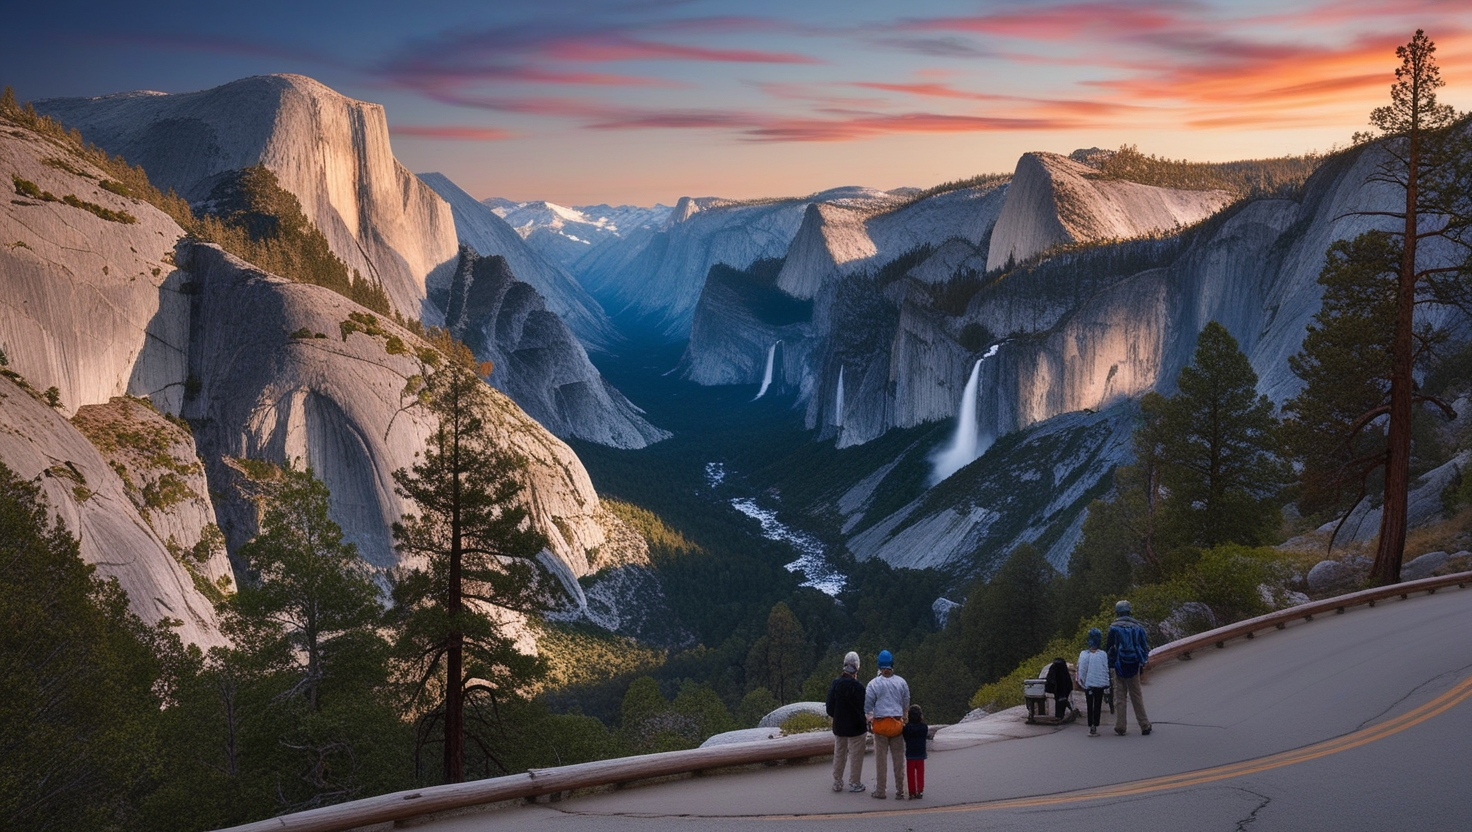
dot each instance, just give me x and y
(965, 446)
(767, 376)
(838, 406)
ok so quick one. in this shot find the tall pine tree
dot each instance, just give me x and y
(469, 550)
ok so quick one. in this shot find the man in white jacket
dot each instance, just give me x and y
(886, 701)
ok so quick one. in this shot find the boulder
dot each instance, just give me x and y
(1423, 566)
(1188, 619)
(742, 735)
(1331, 576)
(942, 610)
(779, 716)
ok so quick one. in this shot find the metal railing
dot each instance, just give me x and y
(564, 779)
(1184, 647)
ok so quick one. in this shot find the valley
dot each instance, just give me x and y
(609, 479)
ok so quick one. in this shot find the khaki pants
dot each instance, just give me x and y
(889, 751)
(1129, 686)
(848, 752)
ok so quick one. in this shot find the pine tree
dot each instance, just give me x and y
(308, 587)
(1422, 161)
(79, 692)
(778, 658)
(1011, 616)
(469, 550)
(1221, 472)
(1345, 364)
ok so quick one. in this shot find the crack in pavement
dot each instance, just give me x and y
(1457, 673)
(1252, 816)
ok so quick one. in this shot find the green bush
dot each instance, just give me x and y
(804, 722)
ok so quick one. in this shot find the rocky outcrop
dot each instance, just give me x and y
(91, 498)
(90, 306)
(838, 240)
(1054, 200)
(658, 278)
(480, 228)
(538, 362)
(329, 150)
(269, 388)
(94, 308)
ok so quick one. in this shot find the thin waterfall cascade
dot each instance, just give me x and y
(838, 405)
(767, 376)
(965, 446)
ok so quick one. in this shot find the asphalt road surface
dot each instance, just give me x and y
(1360, 721)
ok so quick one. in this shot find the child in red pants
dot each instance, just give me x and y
(915, 734)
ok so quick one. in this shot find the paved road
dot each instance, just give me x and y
(1349, 722)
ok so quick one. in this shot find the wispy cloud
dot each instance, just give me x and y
(451, 132)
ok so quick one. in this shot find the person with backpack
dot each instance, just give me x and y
(886, 701)
(846, 707)
(1129, 650)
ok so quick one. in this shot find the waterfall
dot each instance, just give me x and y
(767, 376)
(838, 406)
(965, 446)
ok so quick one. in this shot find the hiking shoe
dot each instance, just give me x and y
(1094, 732)
(877, 794)
(858, 788)
(1119, 732)
(837, 786)
(899, 795)
(1144, 732)
(917, 795)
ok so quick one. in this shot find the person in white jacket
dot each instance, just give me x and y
(1093, 677)
(886, 702)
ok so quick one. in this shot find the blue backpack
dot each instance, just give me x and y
(1127, 651)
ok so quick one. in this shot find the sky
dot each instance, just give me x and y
(645, 101)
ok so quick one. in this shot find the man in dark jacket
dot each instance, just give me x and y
(846, 707)
(1129, 650)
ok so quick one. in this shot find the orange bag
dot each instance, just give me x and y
(888, 726)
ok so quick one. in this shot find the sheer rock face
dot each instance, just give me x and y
(94, 309)
(538, 362)
(480, 228)
(1054, 200)
(837, 240)
(659, 277)
(88, 306)
(81, 489)
(337, 405)
(835, 244)
(329, 150)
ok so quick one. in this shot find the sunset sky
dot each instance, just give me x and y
(645, 101)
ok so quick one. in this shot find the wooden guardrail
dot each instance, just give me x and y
(555, 781)
(548, 781)
(1183, 648)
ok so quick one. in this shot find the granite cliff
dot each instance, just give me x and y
(330, 150)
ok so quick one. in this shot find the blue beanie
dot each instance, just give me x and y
(885, 659)
(1095, 637)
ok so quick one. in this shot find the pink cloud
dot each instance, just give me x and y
(451, 132)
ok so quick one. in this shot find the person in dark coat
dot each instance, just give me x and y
(846, 707)
(1059, 682)
(916, 733)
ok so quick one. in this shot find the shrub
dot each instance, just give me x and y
(804, 722)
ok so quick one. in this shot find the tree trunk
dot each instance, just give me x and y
(454, 656)
(1391, 548)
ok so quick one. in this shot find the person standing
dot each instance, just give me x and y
(1129, 651)
(886, 701)
(916, 734)
(1093, 677)
(846, 707)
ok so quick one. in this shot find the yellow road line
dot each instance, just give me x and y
(1436, 707)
